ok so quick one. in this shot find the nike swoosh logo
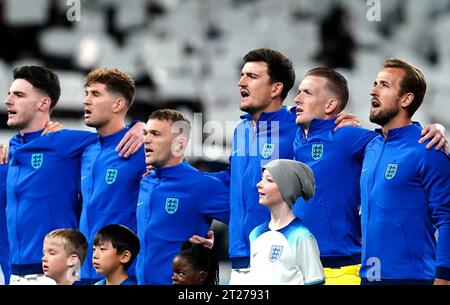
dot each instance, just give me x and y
(140, 203)
(363, 170)
(84, 177)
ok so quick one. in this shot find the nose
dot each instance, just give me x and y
(297, 100)
(374, 91)
(258, 185)
(44, 258)
(174, 278)
(147, 138)
(8, 100)
(241, 82)
(86, 101)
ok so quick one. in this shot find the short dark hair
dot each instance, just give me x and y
(201, 259)
(115, 81)
(413, 82)
(42, 79)
(173, 116)
(121, 238)
(336, 83)
(279, 68)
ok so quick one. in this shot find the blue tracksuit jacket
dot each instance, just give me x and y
(174, 204)
(4, 246)
(110, 189)
(332, 214)
(405, 196)
(254, 145)
(43, 186)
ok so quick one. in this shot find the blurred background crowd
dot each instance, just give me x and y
(186, 54)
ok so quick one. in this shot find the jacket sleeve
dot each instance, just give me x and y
(223, 176)
(358, 139)
(435, 177)
(217, 200)
(74, 142)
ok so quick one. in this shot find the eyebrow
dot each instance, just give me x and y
(249, 73)
(92, 91)
(16, 92)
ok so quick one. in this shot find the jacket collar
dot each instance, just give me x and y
(399, 133)
(172, 171)
(114, 138)
(267, 116)
(29, 136)
(320, 124)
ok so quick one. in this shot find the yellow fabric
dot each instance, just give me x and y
(347, 275)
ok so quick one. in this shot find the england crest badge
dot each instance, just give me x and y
(171, 205)
(111, 175)
(317, 151)
(37, 160)
(267, 150)
(275, 253)
(391, 170)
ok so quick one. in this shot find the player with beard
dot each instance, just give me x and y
(336, 157)
(405, 195)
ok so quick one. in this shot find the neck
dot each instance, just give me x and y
(273, 106)
(35, 125)
(306, 125)
(113, 126)
(117, 277)
(68, 278)
(397, 122)
(174, 161)
(280, 216)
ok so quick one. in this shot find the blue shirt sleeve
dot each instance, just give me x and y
(74, 142)
(217, 204)
(4, 246)
(356, 139)
(435, 176)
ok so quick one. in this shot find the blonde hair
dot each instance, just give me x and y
(73, 242)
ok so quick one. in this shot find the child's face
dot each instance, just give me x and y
(106, 260)
(184, 273)
(54, 260)
(268, 190)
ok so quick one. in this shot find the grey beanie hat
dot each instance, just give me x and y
(293, 178)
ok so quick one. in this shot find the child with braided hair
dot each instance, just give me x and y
(195, 265)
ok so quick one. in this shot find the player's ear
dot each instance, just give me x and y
(331, 106)
(406, 100)
(119, 104)
(72, 260)
(125, 257)
(277, 89)
(45, 103)
(202, 277)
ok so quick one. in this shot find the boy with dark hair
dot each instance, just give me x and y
(115, 249)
